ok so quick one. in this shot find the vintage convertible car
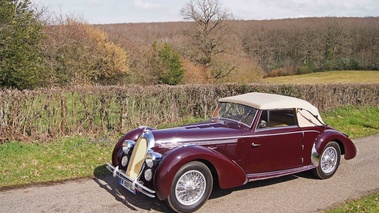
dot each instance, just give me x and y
(250, 137)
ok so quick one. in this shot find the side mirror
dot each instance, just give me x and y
(262, 124)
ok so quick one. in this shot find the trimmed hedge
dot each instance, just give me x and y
(98, 110)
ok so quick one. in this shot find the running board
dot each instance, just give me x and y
(267, 175)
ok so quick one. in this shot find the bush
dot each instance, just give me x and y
(80, 54)
(43, 114)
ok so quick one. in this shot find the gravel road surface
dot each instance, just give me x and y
(295, 193)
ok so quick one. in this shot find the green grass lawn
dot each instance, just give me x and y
(356, 122)
(330, 77)
(366, 204)
(69, 158)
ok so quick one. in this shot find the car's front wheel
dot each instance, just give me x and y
(191, 187)
(329, 161)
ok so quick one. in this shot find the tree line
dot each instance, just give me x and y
(258, 48)
(95, 111)
(297, 46)
(210, 47)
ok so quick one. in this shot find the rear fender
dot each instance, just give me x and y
(347, 146)
(230, 174)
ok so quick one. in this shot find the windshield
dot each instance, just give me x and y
(233, 111)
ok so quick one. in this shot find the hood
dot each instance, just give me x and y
(204, 133)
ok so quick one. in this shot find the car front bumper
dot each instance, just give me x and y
(128, 183)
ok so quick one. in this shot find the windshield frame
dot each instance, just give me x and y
(250, 113)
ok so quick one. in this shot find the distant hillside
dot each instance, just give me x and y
(332, 77)
(278, 47)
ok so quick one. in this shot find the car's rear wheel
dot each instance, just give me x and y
(191, 187)
(329, 161)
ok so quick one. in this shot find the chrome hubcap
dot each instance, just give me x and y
(190, 187)
(329, 160)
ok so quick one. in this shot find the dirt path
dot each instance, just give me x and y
(300, 193)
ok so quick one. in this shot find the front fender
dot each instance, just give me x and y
(230, 174)
(347, 146)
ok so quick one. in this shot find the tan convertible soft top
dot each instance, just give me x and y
(267, 101)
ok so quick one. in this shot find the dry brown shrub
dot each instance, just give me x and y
(194, 74)
(246, 71)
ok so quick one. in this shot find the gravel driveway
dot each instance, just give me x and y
(294, 193)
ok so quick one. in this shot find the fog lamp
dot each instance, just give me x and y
(124, 161)
(148, 174)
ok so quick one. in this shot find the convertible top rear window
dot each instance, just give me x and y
(237, 112)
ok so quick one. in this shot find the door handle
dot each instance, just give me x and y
(255, 145)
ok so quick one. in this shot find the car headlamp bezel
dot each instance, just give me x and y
(127, 146)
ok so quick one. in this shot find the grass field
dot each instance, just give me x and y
(366, 204)
(331, 77)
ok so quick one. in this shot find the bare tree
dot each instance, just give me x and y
(211, 35)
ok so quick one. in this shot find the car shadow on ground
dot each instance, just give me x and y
(129, 200)
(218, 192)
(140, 201)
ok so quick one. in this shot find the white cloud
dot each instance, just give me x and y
(94, 2)
(139, 4)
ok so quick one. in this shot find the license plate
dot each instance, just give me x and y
(127, 185)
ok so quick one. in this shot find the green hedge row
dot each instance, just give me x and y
(97, 110)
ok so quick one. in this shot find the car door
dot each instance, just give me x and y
(277, 143)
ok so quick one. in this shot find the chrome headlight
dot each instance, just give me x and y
(149, 163)
(127, 146)
(151, 158)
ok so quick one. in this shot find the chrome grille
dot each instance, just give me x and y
(137, 159)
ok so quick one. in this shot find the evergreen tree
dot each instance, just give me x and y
(21, 63)
(167, 64)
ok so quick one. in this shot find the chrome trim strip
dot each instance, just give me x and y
(275, 128)
(149, 137)
(315, 157)
(286, 133)
(224, 139)
(121, 174)
(267, 175)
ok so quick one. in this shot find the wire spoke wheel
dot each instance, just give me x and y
(190, 187)
(329, 161)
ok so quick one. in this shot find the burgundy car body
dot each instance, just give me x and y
(234, 151)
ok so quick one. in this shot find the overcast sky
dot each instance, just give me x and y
(131, 11)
